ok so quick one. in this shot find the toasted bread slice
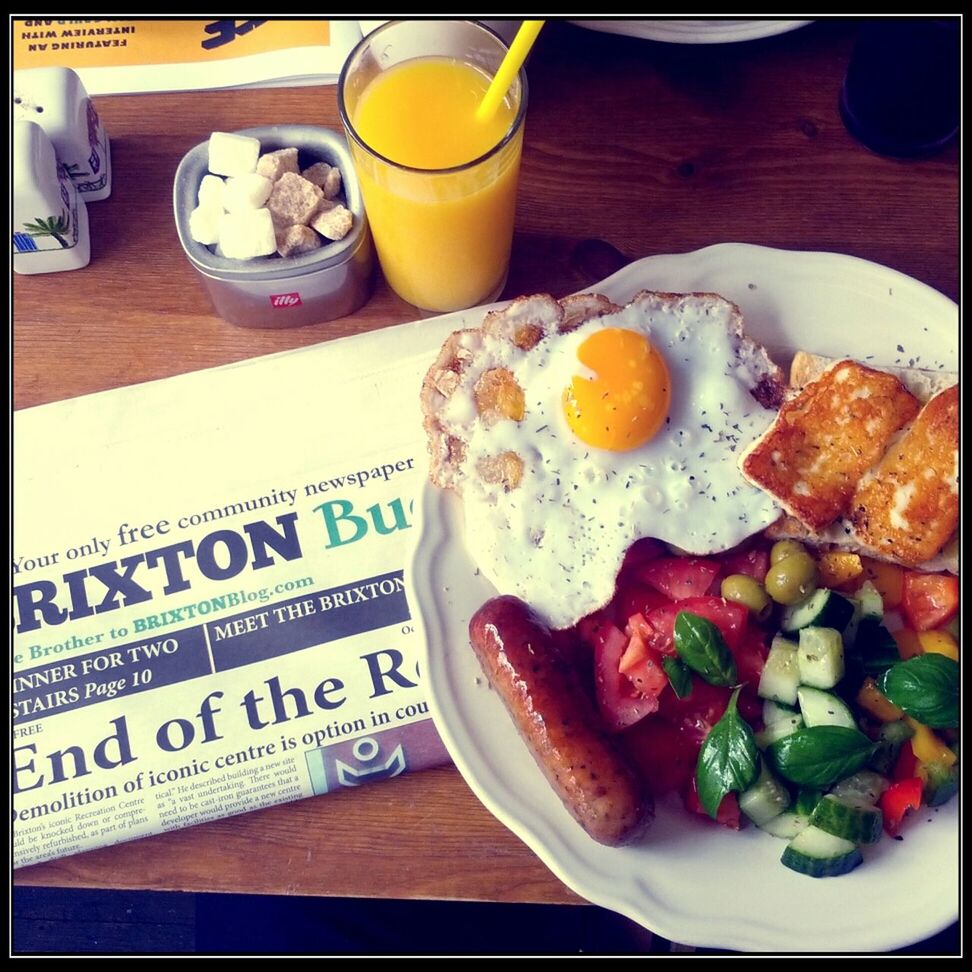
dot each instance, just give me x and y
(826, 437)
(908, 504)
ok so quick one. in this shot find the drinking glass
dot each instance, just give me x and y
(443, 232)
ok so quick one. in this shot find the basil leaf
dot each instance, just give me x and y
(820, 755)
(701, 646)
(728, 760)
(679, 676)
(926, 687)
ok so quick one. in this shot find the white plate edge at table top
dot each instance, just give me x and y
(444, 588)
(694, 31)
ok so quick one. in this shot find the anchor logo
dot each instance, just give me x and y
(366, 750)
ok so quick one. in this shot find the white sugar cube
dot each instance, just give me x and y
(247, 234)
(204, 224)
(232, 155)
(249, 191)
(211, 191)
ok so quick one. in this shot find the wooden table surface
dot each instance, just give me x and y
(632, 148)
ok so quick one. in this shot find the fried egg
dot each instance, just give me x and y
(629, 425)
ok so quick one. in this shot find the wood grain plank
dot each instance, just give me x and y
(418, 836)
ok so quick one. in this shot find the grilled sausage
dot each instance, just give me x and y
(557, 719)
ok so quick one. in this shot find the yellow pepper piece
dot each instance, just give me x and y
(837, 569)
(871, 698)
(887, 578)
(939, 643)
(908, 643)
(928, 748)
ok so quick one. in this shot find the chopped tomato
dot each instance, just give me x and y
(698, 712)
(728, 813)
(929, 600)
(663, 754)
(728, 616)
(636, 598)
(646, 673)
(897, 800)
(753, 562)
(620, 704)
(906, 764)
(634, 655)
(594, 628)
(680, 577)
(641, 551)
(750, 656)
(638, 625)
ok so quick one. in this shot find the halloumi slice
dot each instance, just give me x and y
(908, 505)
(826, 437)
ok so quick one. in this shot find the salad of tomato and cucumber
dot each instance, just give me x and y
(815, 695)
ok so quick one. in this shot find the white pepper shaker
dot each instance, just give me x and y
(55, 98)
(50, 220)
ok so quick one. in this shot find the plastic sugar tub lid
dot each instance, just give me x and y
(313, 144)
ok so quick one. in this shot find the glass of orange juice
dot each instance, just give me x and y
(439, 186)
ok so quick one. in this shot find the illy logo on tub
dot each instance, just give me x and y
(285, 300)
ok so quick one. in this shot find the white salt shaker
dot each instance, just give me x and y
(55, 99)
(50, 220)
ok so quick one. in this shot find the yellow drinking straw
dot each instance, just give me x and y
(512, 63)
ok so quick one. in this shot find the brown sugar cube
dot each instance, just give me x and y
(317, 173)
(332, 184)
(325, 177)
(274, 164)
(295, 240)
(332, 220)
(294, 200)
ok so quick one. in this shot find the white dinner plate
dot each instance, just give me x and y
(689, 880)
(714, 31)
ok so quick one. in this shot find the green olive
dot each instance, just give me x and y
(784, 548)
(792, 579)
(749, 592)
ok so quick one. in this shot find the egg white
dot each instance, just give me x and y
(558, 539)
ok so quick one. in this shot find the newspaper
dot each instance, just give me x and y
(208, 604)
(144, 54)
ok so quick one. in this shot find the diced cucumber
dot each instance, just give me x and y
(860, 825)
(868, 604)
(787, 825)
(822, 609)
(777, 730)
(870, 601)
(820, 708)
(891, 737)
(849, 634)
(941, 783)
(807, 799)
(863, 789)
(765, 799)
(820, 657)
(776, 712)
(818, 854)
(781, 673)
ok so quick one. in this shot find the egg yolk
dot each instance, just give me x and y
(627, 401)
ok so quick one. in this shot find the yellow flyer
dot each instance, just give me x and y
(157, 54)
